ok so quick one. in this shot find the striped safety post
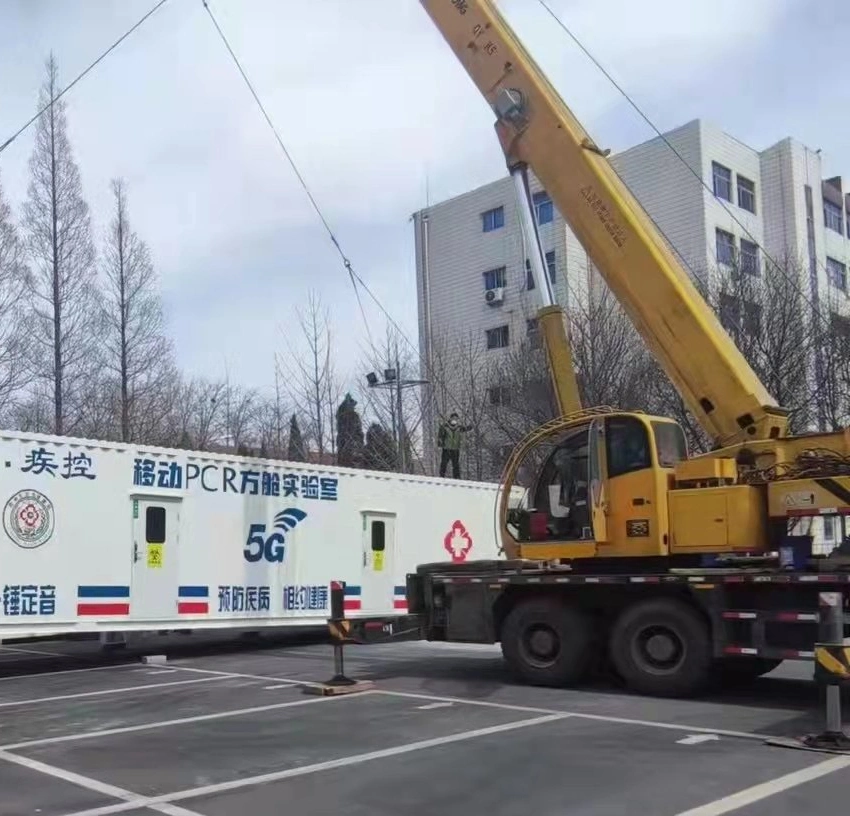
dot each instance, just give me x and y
(832, 669)
(338, 629)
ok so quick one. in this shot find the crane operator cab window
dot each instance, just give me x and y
(628, 447)
(562, 491)
(670, 443)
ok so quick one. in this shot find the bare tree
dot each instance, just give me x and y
(832, 386)
(270, 420)
(197, 418)
(310, 374)
(462, 374)
(56, 219)
(138, 355)
(607, 350)
(767, 317)
(240, 415)
(13, 280)
(403, 422)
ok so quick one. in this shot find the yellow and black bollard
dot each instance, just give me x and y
(832, 669)
(339, 629)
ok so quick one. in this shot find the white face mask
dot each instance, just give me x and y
(452, 422)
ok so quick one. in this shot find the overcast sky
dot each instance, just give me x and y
(370, 102)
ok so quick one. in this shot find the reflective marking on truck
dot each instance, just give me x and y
(103, 600)
(740, 650)
(193, 600)
(351, 601)
(400, 597)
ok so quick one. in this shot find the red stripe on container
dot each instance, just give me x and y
(351, 604)
(399, 604)
(192, 608)
(103, 609)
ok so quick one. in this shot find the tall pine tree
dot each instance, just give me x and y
(380, 452)
(295, 451)
(349, 433)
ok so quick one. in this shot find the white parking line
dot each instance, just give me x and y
(219, 715)
(99, 692)
(40, 652)
(289, 680)
(579, 715)
(343, 762)
(94, 785)
(758, 792)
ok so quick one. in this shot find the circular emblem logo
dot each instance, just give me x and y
(28, 519)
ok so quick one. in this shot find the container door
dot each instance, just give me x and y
(378, 562)
(156, 527)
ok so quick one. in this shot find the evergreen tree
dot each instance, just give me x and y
(295, 451)
(349, 432)
(380, 452)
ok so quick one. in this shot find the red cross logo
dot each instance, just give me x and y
(458, 542)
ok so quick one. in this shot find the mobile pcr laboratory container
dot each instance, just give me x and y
(104, 537)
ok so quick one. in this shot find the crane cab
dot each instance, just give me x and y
(596, 485)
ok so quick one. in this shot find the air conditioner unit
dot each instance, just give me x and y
(494, 296)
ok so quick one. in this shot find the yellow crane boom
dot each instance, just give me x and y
(536, 128)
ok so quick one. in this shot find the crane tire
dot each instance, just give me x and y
(662, 648)
(548, 643)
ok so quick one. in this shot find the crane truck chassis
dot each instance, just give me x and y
(665, 633)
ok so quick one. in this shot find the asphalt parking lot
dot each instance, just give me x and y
(224, 730)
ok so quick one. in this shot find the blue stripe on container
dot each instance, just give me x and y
(103, 592)
(352, 590)
(193, 592)
(400, 590)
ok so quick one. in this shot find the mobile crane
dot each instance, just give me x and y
(624, 545)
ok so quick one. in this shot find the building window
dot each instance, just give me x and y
(722, 181)
(551, 268)
(499, 395)
(498, 338)
(829, 528)
(494, 278)
(532, 333)
(493, 219)
(749, 257)
(833, 217)
(836, 273)
(746, 194)
(550, 265)
(840, 327)
(730, 316)
(725, 247)
(543, 209)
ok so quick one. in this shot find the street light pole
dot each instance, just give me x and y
(399, 409)
(393, 381)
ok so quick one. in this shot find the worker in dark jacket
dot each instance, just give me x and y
(448, 440)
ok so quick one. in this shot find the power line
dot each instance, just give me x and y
(794, 283)
(68, 87)
(356, 279)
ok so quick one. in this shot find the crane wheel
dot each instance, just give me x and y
(662, 647)
(548, 643)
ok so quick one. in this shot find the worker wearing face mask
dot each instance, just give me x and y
(448, 440)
